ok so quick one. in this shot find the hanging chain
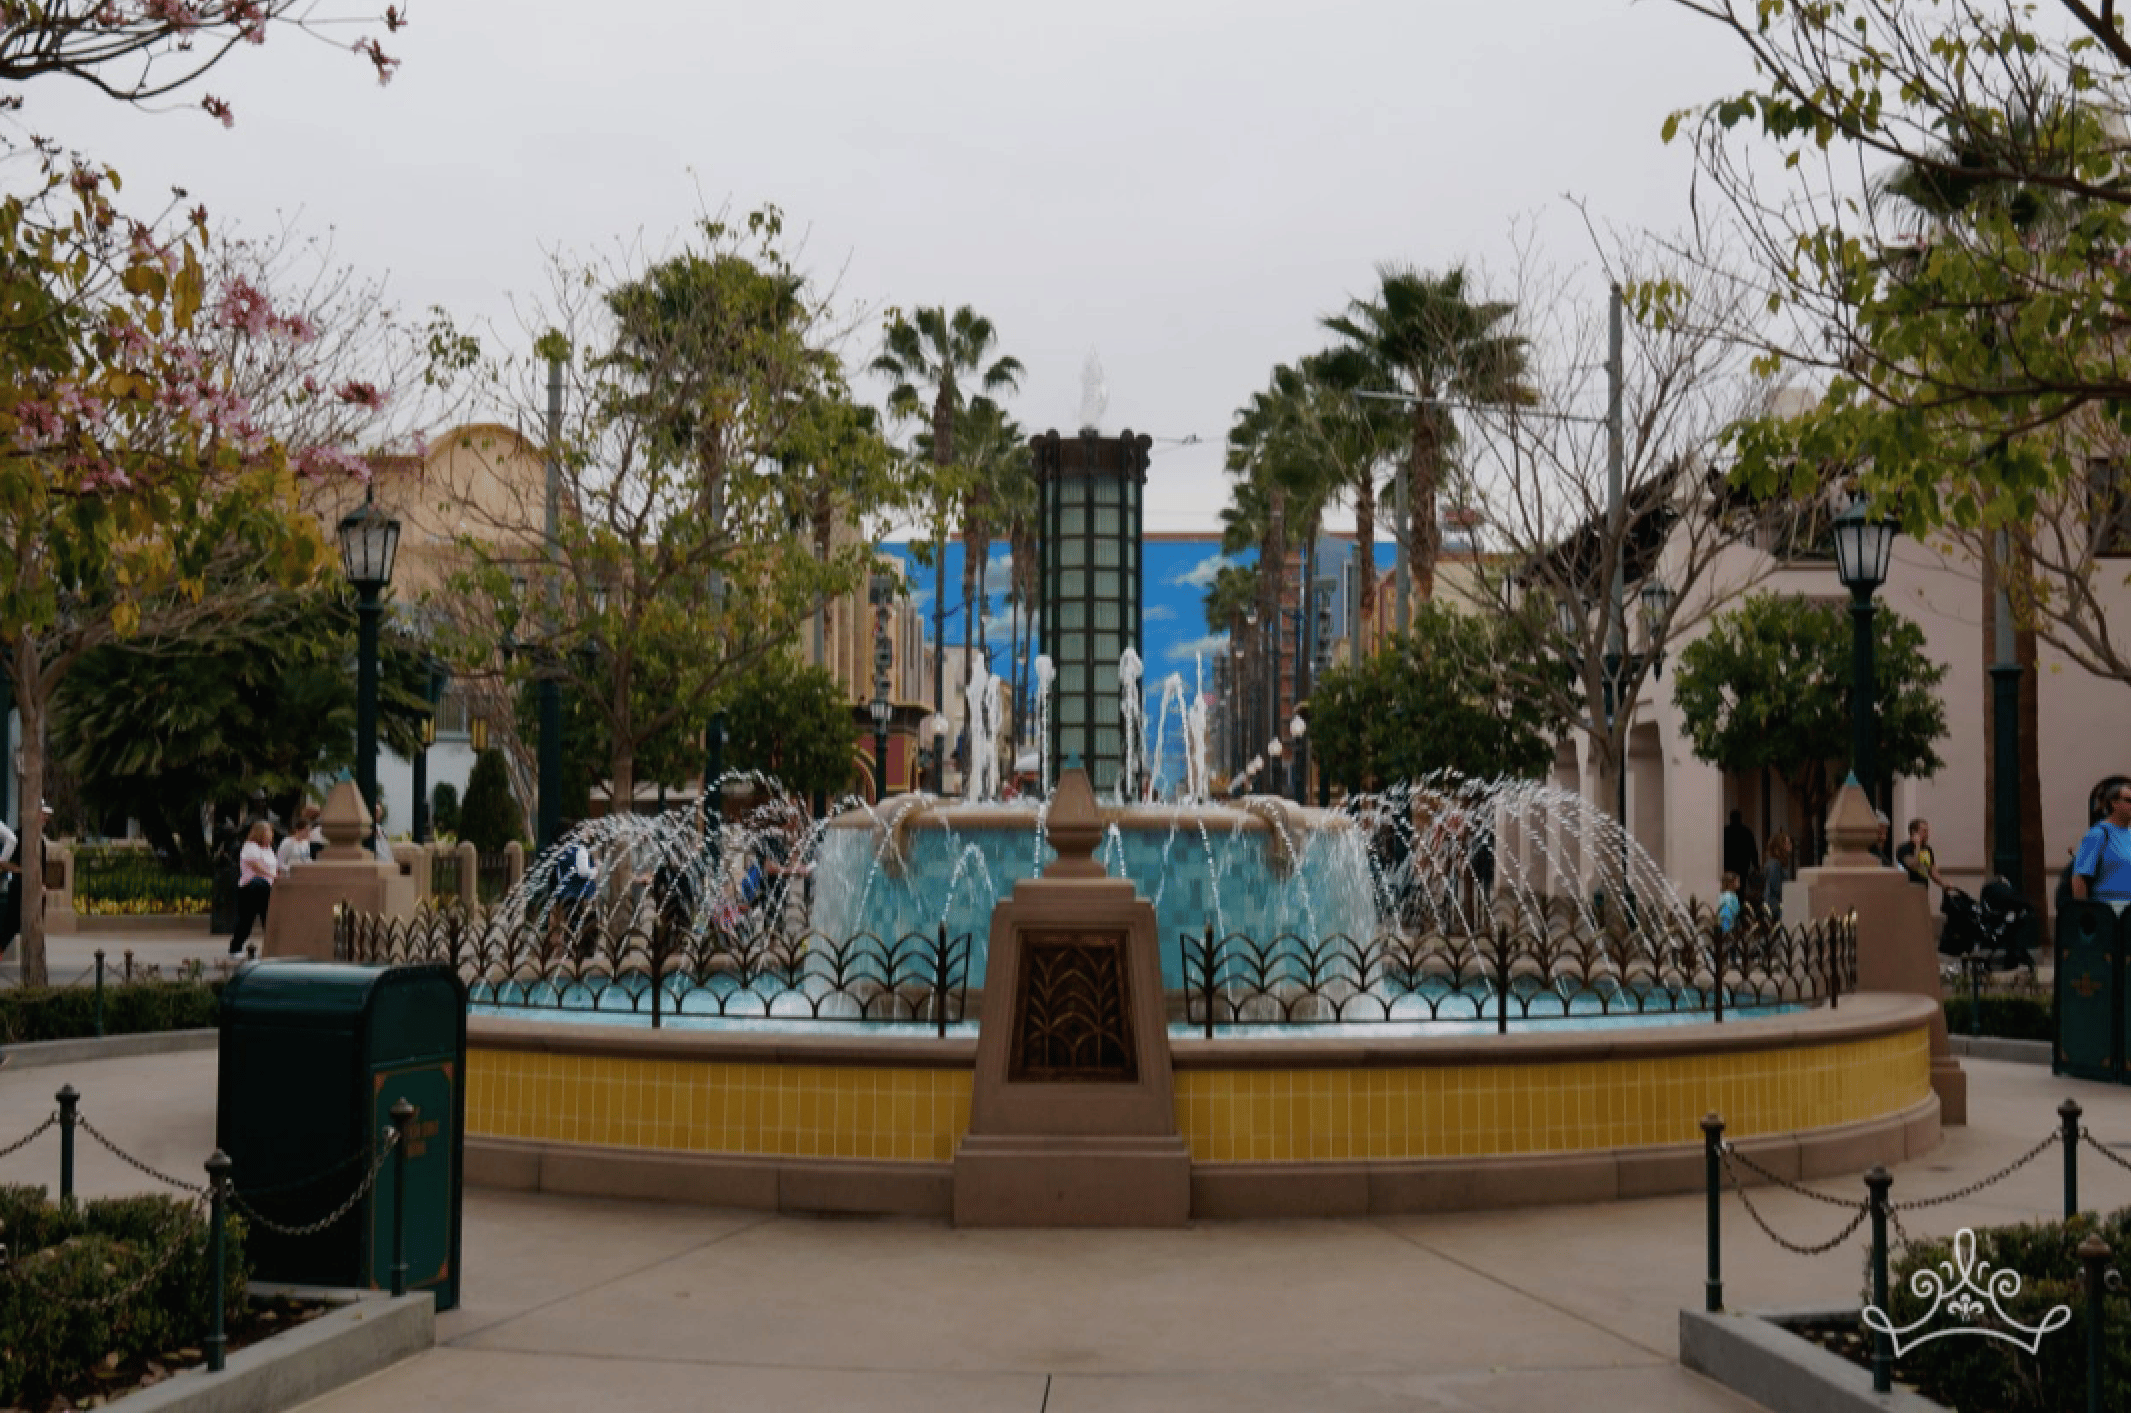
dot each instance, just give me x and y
(31, 1137)
(1732, 1154)
(268, 1189)
(1849, 1228)
(1977, 1186)
(2084, 1137)
(384, 1152)
(199, 1189)
(180, 1243)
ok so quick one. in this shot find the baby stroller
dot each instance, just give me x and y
(1994, 934)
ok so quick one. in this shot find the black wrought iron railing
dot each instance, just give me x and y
(444, 876)
(621, 964)
(1566, 972)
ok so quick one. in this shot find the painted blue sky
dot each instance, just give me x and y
(1179, 569)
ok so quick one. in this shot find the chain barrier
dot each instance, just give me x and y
(2084, 1137)
(1779, 1180)
(321, 1175)
(251, 1213)
(181, 1232)
(1975, 1187)
(51, 1120)
(1849, 1228)
(197, 1189)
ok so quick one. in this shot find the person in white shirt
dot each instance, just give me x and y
(296, 849)
(257, 868)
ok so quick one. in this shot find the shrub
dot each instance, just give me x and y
(2009, 1015)
(444, 808)
(490, 817)
(67, 1262)
(132, 1008)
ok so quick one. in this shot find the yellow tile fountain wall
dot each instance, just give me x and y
(1474, 1110)
(1440, 1111)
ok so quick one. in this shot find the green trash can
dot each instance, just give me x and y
(2090, 1000)
(313, 1057)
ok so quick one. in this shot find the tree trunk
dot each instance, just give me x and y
(1423, 529)
(30, 689)
(1364, 558)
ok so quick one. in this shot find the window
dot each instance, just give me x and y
(2108, 506)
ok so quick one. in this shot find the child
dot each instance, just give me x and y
(1728, 903)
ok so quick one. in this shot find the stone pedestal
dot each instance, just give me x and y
(299, 918)
(1073, 1117)
(60, 919)
(1896, 948)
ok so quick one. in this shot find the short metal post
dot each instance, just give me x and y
(1206, 965)
(2068, 1114)
(69, 1100)
(1877, 1181)
(402, 1119)
(218, 1169)
(939, 986)
(1975, 996)
(99, 993)
(1716, 978)
(127, 972)
(2094, 1255)
(1713, 1172)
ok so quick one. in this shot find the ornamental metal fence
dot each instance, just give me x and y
(1568, 970)
(629, 964)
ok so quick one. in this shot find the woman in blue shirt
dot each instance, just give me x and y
(2102, 867)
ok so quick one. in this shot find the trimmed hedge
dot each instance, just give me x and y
(87, 1252)
(131, 1008)
(2008, 1015)
(1976, 1375)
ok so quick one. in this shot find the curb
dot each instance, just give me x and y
(1754, 1356)
(1994, 1047)
(368, 1331)
(40, 1053)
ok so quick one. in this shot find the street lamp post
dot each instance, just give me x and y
(1297, 730)
(881, 709)
(2005, 731)
(1863, 546)
(439, 679)
(369, 538)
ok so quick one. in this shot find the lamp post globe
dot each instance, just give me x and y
(1864, 548)
(369, 542)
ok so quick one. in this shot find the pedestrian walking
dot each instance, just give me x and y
(2101, 870)
(301, 845)
(1775, 873)
(257, 868)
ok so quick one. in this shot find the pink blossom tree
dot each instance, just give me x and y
(142, 497)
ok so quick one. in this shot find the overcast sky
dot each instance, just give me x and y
(1181, 185)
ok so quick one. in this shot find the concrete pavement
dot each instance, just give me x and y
(572, 1303)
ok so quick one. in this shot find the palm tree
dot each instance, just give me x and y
(936, 353)
(1426, 333)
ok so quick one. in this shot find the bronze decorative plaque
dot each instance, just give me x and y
(1072, 1010)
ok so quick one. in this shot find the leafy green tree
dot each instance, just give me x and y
(936, 362)
(489, 817)
(707, 432)
(1944, 346)
(1441, 696)
(444, 807)
(791, 721)
(1428, 336)
(1769, 686)
(193, 726)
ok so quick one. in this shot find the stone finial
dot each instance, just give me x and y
(346, 823)
(1853, 828)
(1073, 827)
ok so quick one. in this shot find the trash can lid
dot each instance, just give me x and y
(332, 995)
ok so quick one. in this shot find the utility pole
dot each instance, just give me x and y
(1617, 591)
(549, 689)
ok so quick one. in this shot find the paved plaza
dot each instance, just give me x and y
(575, 1304)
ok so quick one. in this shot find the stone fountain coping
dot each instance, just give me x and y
(1861, 1016)
(1249, 813)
